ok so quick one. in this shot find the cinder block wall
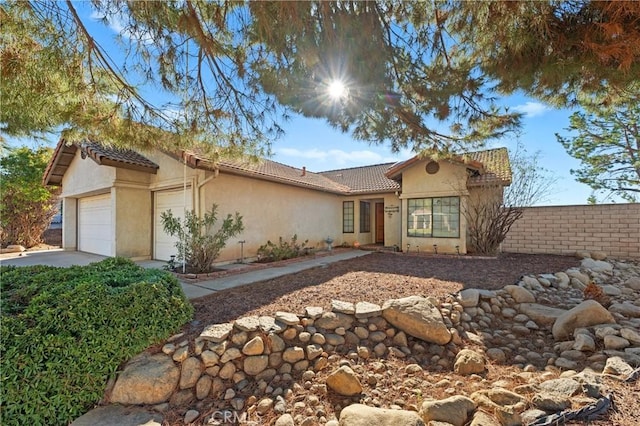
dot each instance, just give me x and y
(611, 228)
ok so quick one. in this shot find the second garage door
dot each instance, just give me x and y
(94, 225)
(174, 200)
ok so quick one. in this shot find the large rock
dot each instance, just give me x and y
(418, 317)
(344, 381)
(362, 415)
(596, 265)
(333, 320)
(192, 368)
(469, 297)
(254, 365)
(520, 294)
(541, 314)
(455, 410)
(111, 415)
(469, 362)
(586, 314)
(146, 380)
(626, 309)
(216, 332)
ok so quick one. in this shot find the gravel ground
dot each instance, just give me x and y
(377, 278)
(374, 278)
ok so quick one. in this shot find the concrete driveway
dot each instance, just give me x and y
(57, 257)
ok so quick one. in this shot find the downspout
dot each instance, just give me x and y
(199, 187)
(184, 205)
(400, 222)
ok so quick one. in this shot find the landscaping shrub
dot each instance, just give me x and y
(65, 331)
(271, 252)
(198, 246)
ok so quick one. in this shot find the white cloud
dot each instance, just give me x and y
(337, 158)
(117, 24)
(531, 109)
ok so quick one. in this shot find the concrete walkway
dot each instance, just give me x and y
(191, 290)
(204, 288)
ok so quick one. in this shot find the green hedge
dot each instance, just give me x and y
(65, 331)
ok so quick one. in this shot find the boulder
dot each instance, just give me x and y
(633, 283)
(520, 294)
(626, 309)
(192, 368)
(586, 314)
(455, 410)
(148, 379)
(250, 323)
(110, 415)
(216, 332)
(285, 420)
(287, 318)
(541, 314)
(254, 346)
(254, 365)
(418, 317)
(469, 362)
(344, 381)
(596, 265)
(333, 320)
(617, 366)
(367, 310)
(362, 415)
(469, 297)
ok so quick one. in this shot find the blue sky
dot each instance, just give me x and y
(315, 145)
(318, 147)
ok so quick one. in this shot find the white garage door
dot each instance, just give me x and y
(165, 245)
(94, 224)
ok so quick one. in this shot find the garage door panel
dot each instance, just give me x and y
(94, 225)
(174, 200)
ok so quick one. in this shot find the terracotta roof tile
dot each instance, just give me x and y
(117, 157)
(496, 166)
(364, 179)
(278, 172)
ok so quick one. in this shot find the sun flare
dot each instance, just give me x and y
(337, 89)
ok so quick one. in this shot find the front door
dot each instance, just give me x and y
(379, 223)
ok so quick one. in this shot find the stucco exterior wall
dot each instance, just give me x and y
(449, 181)
(84, 177)
(611, 228)
(132, 212)
(69, 221)
(271, 210)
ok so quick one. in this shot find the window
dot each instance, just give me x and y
(433, 217)
(365, 216)
(347, 217)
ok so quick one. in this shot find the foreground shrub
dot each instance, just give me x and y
(271, 252)
(65, 331)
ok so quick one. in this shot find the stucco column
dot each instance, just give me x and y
(70, 223)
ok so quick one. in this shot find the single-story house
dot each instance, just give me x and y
(113, 199)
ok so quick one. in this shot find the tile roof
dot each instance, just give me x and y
(103, 155)
(117, 157)
(366, 179)
(277, 172)
(497, 168)
(492, 166)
